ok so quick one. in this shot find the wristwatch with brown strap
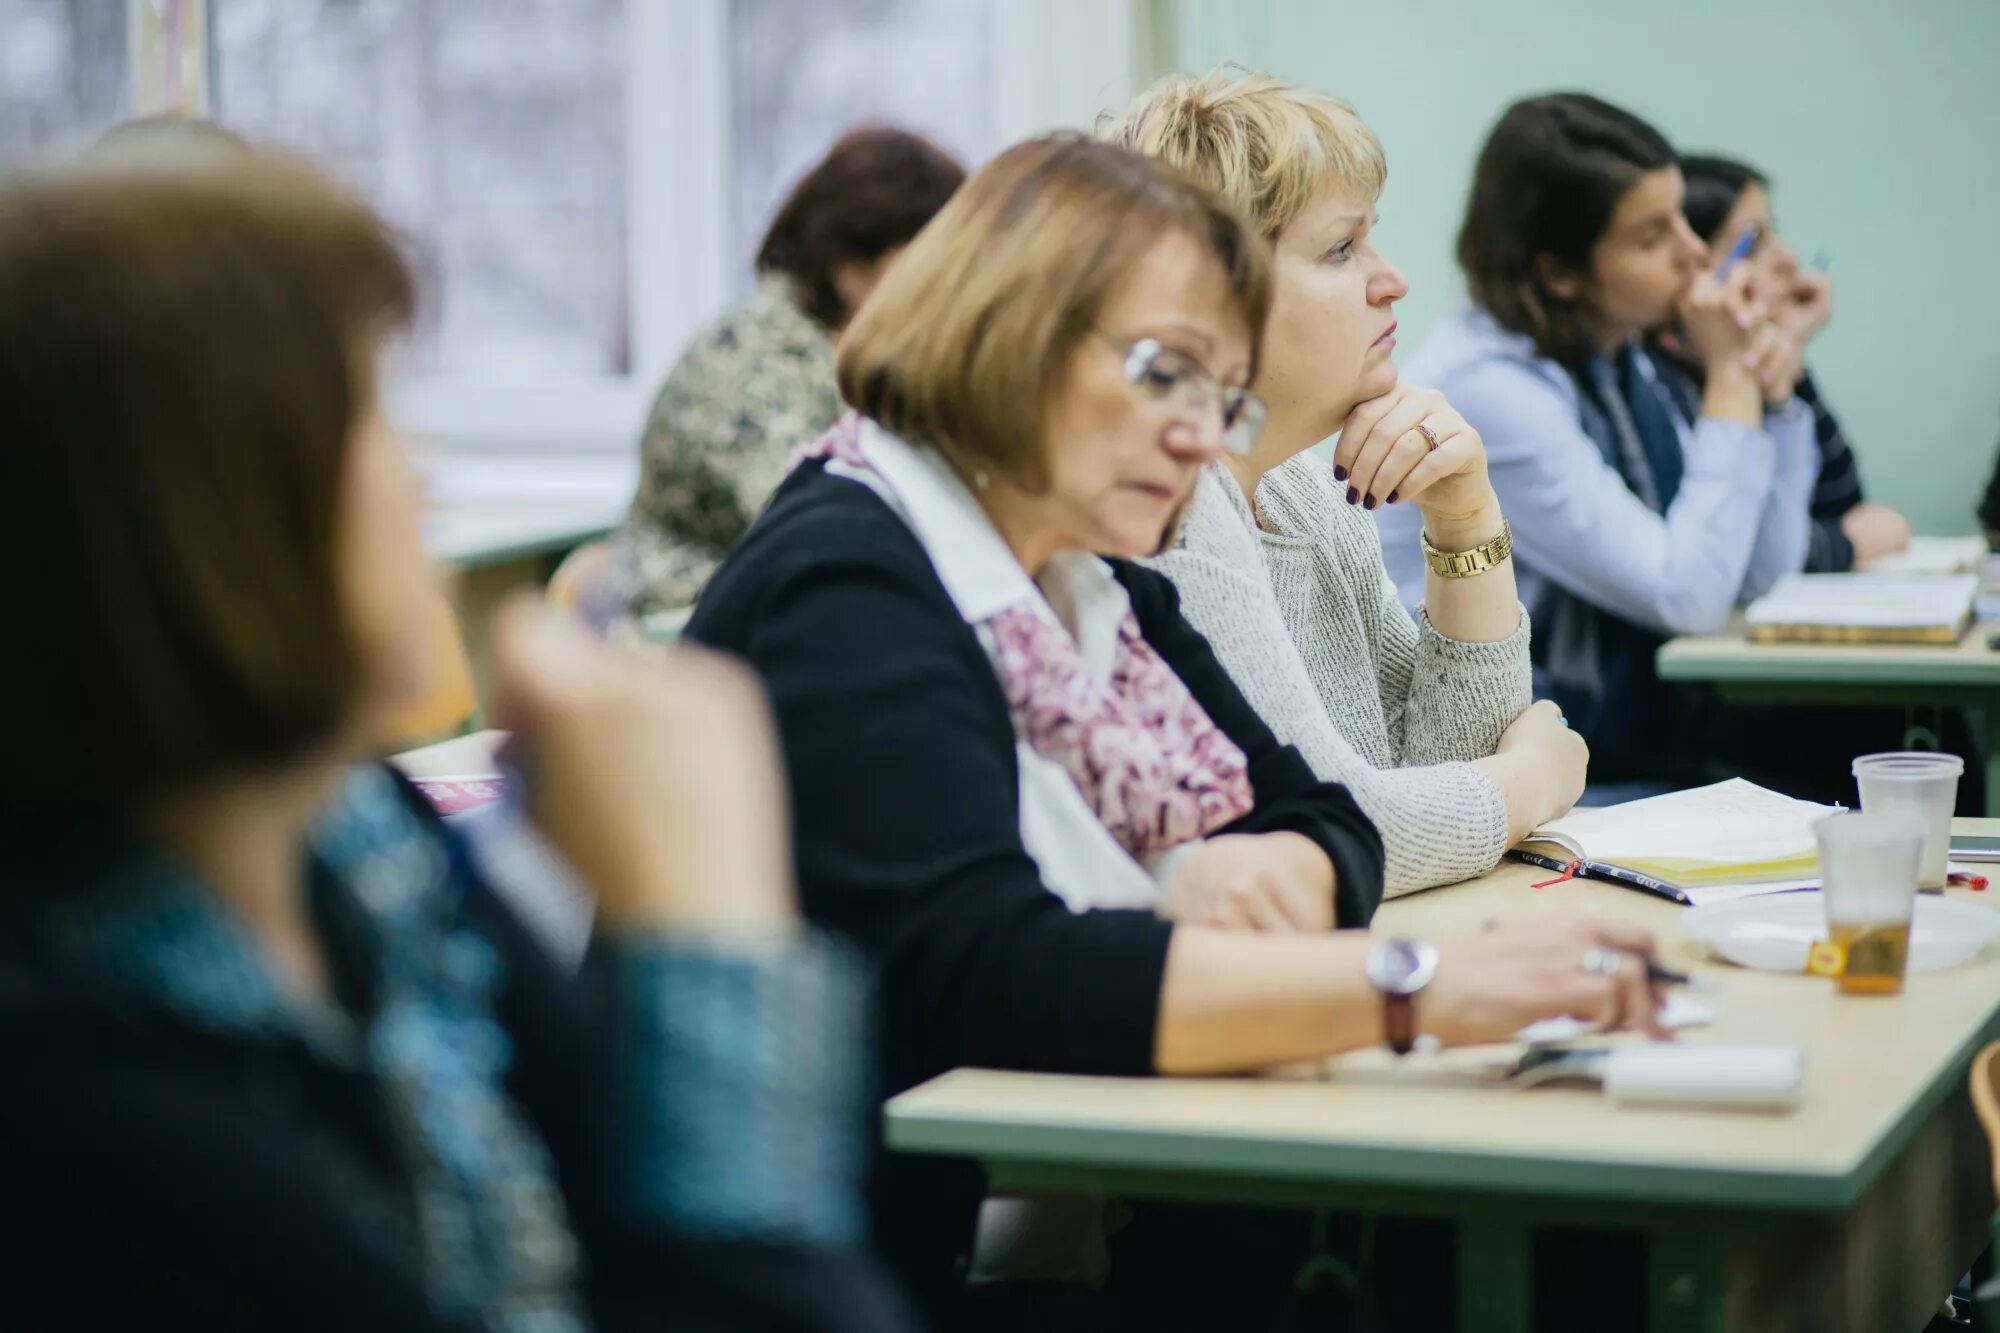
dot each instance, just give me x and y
(1400, 969)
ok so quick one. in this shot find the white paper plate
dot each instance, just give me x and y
(1775, 933)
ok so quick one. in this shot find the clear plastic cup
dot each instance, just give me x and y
(1922, 783)
(1868, 870)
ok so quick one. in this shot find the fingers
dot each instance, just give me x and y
(1453, 455)
(1359, 426)
(1623, 935)
(543, 664)
(1382, 473)
(1736, 292)
(1394, 445)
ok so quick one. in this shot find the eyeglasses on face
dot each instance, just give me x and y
(1189, 389)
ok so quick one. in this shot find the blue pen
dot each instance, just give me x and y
(1744, 244)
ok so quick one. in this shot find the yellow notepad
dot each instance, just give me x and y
(1733, 832)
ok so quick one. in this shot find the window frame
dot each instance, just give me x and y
(1056, 63)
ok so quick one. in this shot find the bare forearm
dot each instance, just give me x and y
(1234, 1001)
(1732, 393)
(1522, 788)
(1484, 608)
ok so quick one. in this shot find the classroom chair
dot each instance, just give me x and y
(1986, 1105)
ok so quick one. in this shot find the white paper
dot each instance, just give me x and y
(1867, 601)
(1705, 895)
(1725, 824)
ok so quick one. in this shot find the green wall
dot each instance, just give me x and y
(1879, 123)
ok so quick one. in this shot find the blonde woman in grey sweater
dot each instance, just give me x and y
(1429, 722)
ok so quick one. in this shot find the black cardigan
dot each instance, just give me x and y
(905, 799)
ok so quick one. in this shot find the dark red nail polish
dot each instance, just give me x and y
(1369, 503)
(1339, 472)
(1353, 496)
(1392, 497)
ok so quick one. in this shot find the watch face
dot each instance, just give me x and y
(1399, 967)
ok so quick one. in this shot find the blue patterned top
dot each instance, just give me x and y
(738, 1111)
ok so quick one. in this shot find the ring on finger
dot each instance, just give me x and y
(1603, 962)
(1430, 436)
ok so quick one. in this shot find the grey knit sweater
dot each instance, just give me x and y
(1306, 621)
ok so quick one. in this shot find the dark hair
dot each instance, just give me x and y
(1548, 180)
(873, 191)
(1714, 184)
(184, 356)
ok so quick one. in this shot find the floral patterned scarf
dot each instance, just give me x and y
(1142, 752)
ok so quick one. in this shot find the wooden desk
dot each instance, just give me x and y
(1966, 676)
(1857, 1210)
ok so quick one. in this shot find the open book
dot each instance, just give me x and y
(1865, 608)
(1733, 832)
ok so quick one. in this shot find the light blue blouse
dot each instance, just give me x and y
(1740, 521)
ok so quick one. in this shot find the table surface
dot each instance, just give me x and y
(1732, 657)
(1875, 1068)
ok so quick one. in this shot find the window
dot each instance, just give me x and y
(493, 134)
(64, 71)
(583, 182)
(794, 88)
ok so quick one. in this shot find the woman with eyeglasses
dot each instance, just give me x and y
(1428, 720)
(1021, 781)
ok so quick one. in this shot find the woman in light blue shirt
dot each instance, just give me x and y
(1643, 506)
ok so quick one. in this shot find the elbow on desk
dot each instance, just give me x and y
(1695, 611)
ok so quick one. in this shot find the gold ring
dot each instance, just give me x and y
(1428, 434)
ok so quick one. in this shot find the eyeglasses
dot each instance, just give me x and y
(1188, 388)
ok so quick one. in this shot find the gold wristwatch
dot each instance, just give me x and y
(1465, 564)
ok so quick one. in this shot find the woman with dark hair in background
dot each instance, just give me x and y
(1641, 507)
(1726, 199)
(759, 380)
(278, 1057)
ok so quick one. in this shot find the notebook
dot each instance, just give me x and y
(1733, 832)
(1865, 608)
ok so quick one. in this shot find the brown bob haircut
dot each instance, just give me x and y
(873, 191)
(965, 341)
(184, 357)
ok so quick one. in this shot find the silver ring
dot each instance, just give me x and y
(1428, 434)
(1603, 962)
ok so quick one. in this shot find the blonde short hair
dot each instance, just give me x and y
(1265, 145)
(961, 346)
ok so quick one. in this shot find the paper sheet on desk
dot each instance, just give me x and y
(1680, 1011)
(1704, 895)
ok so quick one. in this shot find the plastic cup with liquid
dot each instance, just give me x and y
(1868, 873)
(1920, 783)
